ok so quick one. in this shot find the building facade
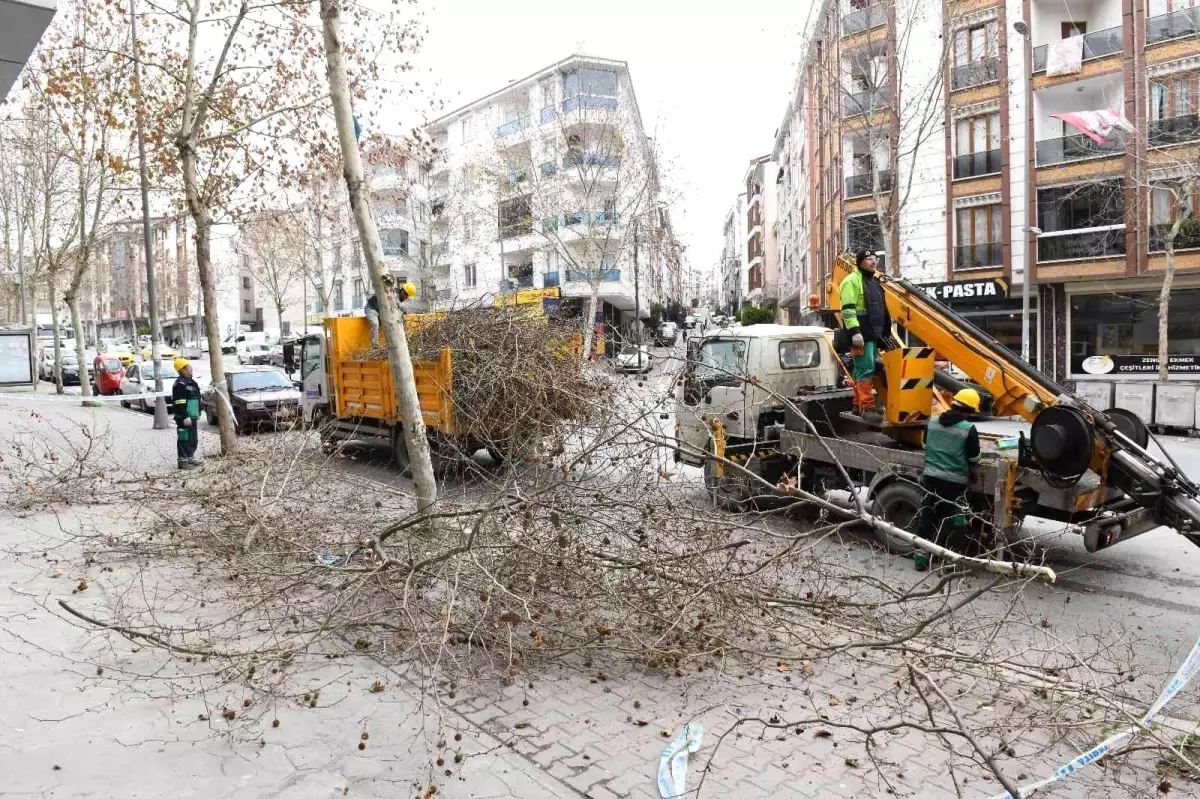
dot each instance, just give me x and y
(551, 182)
(762, 232)
(732, 271)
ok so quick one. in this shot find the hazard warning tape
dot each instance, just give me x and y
(81, 398)
(1117, 740)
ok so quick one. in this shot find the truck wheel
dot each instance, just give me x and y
(897, 502)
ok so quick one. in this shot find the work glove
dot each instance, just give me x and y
(187, 422)
(857, 341)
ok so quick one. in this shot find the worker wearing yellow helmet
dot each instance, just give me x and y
(951, 446)
(185, 404)
(405, 291)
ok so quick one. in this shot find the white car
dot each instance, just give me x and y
(139, 381)
(633, 359)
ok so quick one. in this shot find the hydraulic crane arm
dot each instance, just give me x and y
(1067, 437)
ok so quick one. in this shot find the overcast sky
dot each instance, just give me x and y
(712, 79)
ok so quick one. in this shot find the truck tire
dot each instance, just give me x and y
(897, 502)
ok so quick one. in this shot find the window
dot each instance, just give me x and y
(358, 292)
(1167, 205)
(338, 295)
(799, 354)
(1082, 206)
(468, 129)
(863, 233)
(515, 219)
(980, 235)
(976, 43)
(594, 82)
(395, 241)
(1069, 29)
(1173, 96)
(720, 359)
(469, 276)
(245, 306)
(245, 281)
(1127, 324)
(977, 134)
(424, 250)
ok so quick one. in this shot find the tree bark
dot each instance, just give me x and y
(58, 381)
(389, 310)
(212, 331)
(85, 385)
(1164, 302)
(589, 326)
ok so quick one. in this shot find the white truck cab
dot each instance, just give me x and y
(735, 376)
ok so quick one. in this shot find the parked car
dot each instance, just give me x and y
(70, 364)
(689, 321)
(107, 371)
(164, 352)
(124, 351)
(253, 352)
(275, 356)
(633, 358)
(668, 332)
(259, 395)
(139, 381)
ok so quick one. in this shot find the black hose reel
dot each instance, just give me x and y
(1062, 439)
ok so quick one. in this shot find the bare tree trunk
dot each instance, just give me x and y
(1164, 301)
(389, 310)
(85, 385)
(204, 268)
(589, 327)
(58, 380)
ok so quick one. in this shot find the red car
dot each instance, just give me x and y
(108, 371)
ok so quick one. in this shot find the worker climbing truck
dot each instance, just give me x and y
(773, 401)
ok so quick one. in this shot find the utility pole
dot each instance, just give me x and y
(160, 403)
(637, 315)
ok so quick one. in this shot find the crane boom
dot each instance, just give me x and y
(1067, 436)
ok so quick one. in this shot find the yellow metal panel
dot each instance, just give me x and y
(909, 375)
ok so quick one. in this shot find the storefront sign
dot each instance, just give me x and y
(978, 290)
(1133, 364)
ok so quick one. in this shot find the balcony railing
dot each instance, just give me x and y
(1095, 45)
(549, 168)
(550, 280)
(593, 217)
(1076, 147)
(973, 256)
(516, 229)
(1068, 245)
(972, 165)
(864, 19)
(1176, 25)
(975, 73)
(514, 283)
(607, 275)
(1188, 237)
(863, 102)
(547, 114)
(515, 126)
(588, 101)
(588, 159)
(864, 184)
(1174, 130)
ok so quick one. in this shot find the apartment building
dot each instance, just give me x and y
(762, 231)
(791, 240)
(551, 182)
(732, 273)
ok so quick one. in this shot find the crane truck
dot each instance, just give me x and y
(774, 400)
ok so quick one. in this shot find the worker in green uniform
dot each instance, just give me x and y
(185, 400)
(865, 316)
(951, 446)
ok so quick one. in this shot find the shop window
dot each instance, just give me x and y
(1127, 324)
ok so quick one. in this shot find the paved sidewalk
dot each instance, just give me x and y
(88, 714)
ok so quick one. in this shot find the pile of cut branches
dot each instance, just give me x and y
(517, 377)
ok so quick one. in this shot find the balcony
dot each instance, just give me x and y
(549, 168)
(974, 256)
(975, 73)
(863, 102)
(1070, 245)
(590, 217)
(1175, 25)
(1095, 45)
(550, 280)
(973, 165)
(864, 19)
(864, 184)
(1174, 131)
(1076, 147)
(606, 276)
(514, 283)
(515, 126)
(588, 159)
(547, 114)
(587, 101)
(1188, 237)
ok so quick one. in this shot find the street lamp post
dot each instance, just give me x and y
(1022, 29)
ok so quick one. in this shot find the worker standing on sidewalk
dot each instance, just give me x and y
(951, 446)
(185, 399)
(865, 316)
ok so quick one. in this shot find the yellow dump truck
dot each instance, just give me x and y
(351, 397)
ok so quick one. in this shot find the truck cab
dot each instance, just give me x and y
(735, 376)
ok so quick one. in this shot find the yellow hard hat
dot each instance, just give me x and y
(180, 362)
(410, 291)
(968, 397)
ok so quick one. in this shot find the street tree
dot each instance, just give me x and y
(276, 245)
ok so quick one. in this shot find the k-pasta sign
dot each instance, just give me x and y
(1133, 364)
(975, 290)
